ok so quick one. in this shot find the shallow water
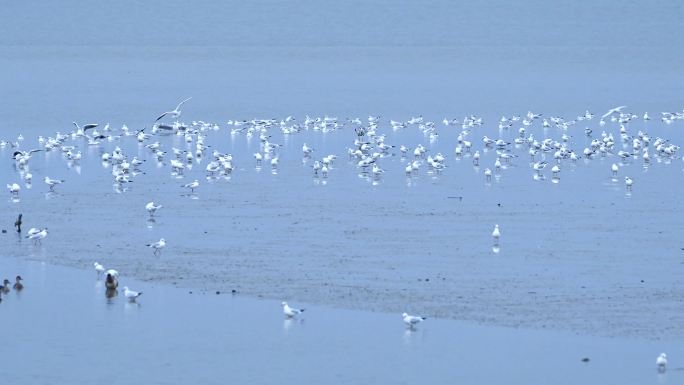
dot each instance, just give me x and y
(581, 254)
(62, 329)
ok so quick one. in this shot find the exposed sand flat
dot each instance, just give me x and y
(573, 254)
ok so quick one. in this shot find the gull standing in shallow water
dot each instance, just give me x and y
(98, 268)
(152, 208)
(192, 185)
(290, 312)
(157, 246)
(496, 234)
(539, 166)
(131, 295)
(411, 321)
(14, 188)
(661, 362)
(37, 235)
(53, 182)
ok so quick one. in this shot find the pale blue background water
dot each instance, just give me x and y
(126, 60)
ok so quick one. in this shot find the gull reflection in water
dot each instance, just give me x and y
(110, 294)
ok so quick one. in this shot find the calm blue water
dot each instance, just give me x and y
(581, 255)
(62, 329)
(124, 61)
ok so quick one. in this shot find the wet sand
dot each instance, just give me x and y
(582, 254)
(61, 329)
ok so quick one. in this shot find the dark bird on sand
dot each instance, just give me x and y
(17, 223)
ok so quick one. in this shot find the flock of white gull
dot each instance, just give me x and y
(368, 149)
